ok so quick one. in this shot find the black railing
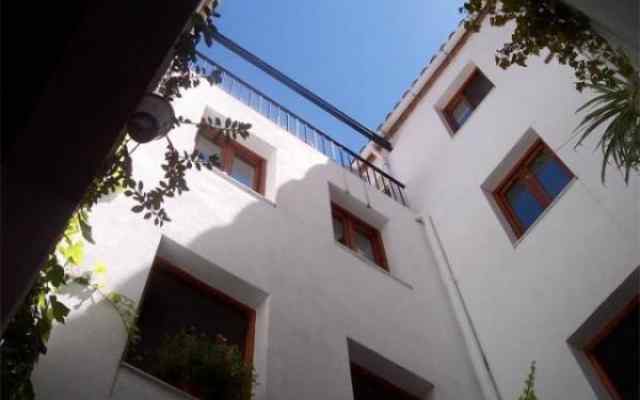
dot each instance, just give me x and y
(309, 134)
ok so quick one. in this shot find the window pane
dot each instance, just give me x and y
(338, 230)
(552, 176)
(524, 205)
(362, 245)
(206, 149)
(243, 172)
(461, 112)
(477, 89)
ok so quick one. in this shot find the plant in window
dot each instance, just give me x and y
(27, 333)
(206, 367)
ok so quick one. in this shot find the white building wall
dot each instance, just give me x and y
(278, 255)
(525, 299)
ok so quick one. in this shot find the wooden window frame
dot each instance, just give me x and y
(218, 296)
(599, 337)
(350, 224)
(383, 382)
(521, 171)
(459, 97)
(231, 149)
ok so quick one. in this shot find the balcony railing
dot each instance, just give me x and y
(311, 135)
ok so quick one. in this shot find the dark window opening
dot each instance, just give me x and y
(467, 99)
(530, 187)
(615, 356)
(367, 386)
(358, 236)
(174, 301)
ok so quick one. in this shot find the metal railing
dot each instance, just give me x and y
(309, 134)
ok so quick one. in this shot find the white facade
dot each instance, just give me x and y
(526, 298)
(276, 253)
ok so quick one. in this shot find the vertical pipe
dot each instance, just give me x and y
(478, 357)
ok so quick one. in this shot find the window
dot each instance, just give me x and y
(531, 186)
(470, 95)
(367, 386)
(614, 353)
(358, 236)
(174, 300)
(237, 161)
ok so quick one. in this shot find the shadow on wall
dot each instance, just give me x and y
(84, 354)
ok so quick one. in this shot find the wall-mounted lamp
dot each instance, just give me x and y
(152, 119)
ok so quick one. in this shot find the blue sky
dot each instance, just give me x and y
(360, 55)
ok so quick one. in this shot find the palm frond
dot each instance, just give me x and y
(617, 108)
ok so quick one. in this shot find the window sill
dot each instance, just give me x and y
(522, 238)
(373, 265)
(157, 381)
(242, 187)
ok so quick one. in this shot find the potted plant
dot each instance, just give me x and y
(204, 366)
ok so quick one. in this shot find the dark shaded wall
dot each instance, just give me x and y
(72, 72)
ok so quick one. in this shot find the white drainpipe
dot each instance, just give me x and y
(476, 352)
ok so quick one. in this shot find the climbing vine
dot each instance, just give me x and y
(25, 338)
(568, 36)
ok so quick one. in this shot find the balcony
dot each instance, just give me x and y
(310, 135)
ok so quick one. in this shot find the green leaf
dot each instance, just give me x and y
(100, 268)
(86, 231)
(55, 275)
(74, 254)
(60, 311)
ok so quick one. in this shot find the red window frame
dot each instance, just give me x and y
(459, 97)
(350, 224)
(522, 173)
(218, 296)
(230, 150)
(600, 336)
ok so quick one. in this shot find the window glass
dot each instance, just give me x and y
(477, 89)
(552, 176)
(461, 112)
(243, 172)
(207, 149)
(338, 230)
(524, 205)
(362, 245)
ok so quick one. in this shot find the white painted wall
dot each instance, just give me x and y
(525, 300)
(277, 254)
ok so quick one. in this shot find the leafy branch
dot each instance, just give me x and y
(552, 25)
(175, 166)
(529, 383)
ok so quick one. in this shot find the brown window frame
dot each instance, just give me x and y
(458, 97)
(359, 369)
(230, 149)
(521, 170)
(217, 295)
(350, 224)
(600, 336)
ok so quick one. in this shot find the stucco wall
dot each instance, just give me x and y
(312, 293)
(527, 298)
